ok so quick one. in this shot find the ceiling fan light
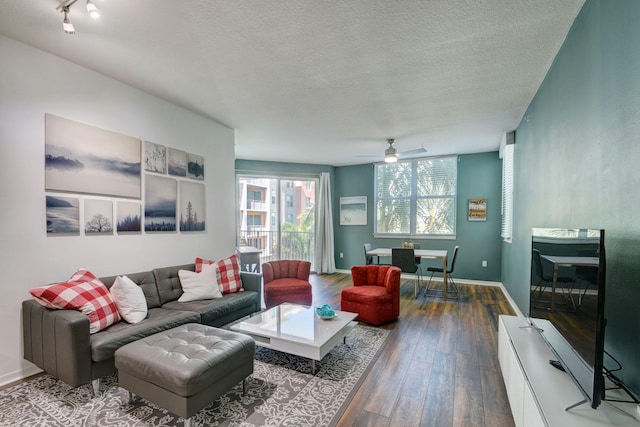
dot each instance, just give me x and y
(390, 157)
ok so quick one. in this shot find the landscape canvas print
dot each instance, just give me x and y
(98, 216)
(353, 210)
(155, 157)
(177, 160)
(196, 166)
(84, 159)
(128, 219)
(63, 214)
(192, 206)
(160, 198)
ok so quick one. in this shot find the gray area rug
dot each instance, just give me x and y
(282, 392)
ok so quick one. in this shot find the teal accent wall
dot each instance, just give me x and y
(576, 164)
(479, 175)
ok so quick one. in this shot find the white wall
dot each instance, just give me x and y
(33, 83)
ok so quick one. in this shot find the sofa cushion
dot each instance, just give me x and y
(83, 292)
(168, 282)
(106, 342)
(147, 282)
(211, 311)
(199, 286)
(129, 299)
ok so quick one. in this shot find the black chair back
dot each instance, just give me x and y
(405, 259)
(368, 259)
(453, 260)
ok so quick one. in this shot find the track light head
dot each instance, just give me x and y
(93, 11)
(67, 26)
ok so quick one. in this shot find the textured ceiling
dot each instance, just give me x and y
(322, 82)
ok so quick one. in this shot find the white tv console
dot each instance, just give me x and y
(539, 393)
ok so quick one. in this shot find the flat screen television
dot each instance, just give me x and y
(567, 302)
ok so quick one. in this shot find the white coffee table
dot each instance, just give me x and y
(296, 329)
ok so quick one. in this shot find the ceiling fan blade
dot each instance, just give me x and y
(420, 150)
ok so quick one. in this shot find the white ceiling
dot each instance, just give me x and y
(319, 81)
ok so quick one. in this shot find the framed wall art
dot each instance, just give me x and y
(353, 210)
(63, 214)
(160, 198)
(155, 157)
(84, 159)
(477, 209)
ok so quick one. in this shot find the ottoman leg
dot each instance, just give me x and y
(245, 386)
(131, 398)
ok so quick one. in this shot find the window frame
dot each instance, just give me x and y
(413, 201)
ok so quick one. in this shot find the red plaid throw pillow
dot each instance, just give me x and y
(228, 273)
(83, 292)
(200, 262)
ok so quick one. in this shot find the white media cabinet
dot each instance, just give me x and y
(539, 393)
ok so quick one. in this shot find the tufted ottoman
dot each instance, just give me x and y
(185, 368)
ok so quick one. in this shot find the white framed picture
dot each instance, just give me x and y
(353, 210)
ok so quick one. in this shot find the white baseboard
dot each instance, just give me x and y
(20, 374)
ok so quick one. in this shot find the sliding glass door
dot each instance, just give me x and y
(277, 216)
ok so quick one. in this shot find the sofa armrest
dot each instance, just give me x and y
(251, 281)
(57, 341)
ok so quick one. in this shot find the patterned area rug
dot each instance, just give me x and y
(282, 392)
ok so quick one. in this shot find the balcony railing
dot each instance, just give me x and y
(256, 205)
(290, 245)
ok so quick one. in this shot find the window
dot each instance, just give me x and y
(506, 231)
(289, 201)
(416, 197)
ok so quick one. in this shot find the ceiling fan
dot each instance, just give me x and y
(391, 154)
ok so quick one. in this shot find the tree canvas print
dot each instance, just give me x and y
(128, 217)
(98, 216)
(192, 206)
(84, 159)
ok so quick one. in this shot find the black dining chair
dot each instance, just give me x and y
(368, 259)
(405, 259)
(544, 281)
(453, 290)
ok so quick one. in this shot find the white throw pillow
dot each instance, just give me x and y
(129, 299)
(197, 286)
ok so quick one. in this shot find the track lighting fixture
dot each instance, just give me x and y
(65, 6)
(67, 26)
(92, 9)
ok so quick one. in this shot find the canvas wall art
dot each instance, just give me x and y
(192, 206)
(177, 160)
(128, 217)
(84, 159)
(63, 214)
(195, 168)
(477, 209)
(160, 198)
(353, 210)
(155, 157)
(98, 216)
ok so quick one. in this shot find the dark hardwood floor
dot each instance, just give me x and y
(440, 365)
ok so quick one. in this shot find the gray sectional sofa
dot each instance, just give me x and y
(59, 342)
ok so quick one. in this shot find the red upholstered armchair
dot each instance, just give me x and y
(286, 281)
(375, 295)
